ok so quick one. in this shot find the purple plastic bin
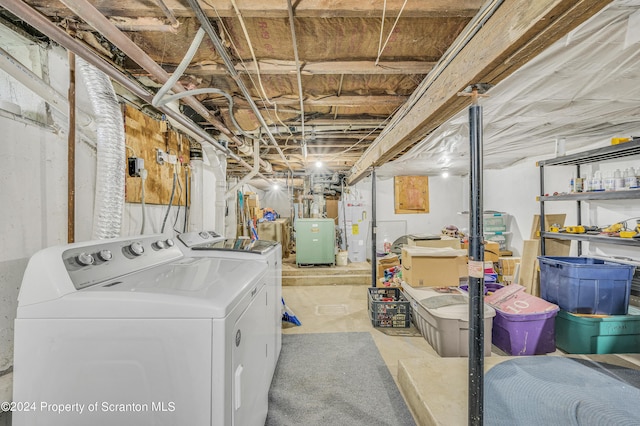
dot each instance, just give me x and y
(524, 334)
(524, 324)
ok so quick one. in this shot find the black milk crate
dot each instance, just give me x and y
(389, 308)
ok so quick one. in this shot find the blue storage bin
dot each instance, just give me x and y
(585, 285)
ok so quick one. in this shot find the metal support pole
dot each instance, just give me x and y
(476, 267)
(542, 216)
(374, 230)
(71, 152)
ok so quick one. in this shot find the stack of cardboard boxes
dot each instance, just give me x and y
(429, 261)
(253, 203)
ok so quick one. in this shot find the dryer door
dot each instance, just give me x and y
(250, 350)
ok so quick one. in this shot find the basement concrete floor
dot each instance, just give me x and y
(435, 388)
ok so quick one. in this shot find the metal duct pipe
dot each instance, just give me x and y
(220, 49)
(248, 177)
(109, 199)
(35, 19)
(97, 20)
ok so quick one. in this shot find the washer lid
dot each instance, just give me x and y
(187, 288)
(240, 244)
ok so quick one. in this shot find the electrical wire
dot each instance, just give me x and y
(143, 177)
(186, 199)
(173, 191)
(380, 50)
(175, 219)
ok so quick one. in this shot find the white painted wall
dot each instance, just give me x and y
(445, 201)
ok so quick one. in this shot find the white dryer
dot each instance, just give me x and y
(212, 245)
(131, 332)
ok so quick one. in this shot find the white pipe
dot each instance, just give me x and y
(256, 167)
(220, 174)
(196, 206)
(110, 169)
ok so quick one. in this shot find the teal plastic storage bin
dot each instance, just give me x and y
(616, 334)
(586, 285)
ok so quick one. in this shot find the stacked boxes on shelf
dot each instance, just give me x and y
(593, 295)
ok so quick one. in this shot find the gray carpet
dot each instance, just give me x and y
(561, 391)
(334, 379)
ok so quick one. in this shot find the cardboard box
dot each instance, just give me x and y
(277, 230)
(386, 262)
(491, 250)
(426, 241)
(432, 267)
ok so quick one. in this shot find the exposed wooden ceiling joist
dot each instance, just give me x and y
(342, 101)
(515, 34)
(278, 8)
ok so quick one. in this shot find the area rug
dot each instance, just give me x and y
(549, 390)
(334, 379)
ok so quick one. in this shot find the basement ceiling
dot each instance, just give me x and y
(351, 83)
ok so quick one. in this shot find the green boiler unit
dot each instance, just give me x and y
(315, 241)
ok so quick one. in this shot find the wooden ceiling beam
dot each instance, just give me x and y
(515, 34)
(308, 68)
(330, 100)
(276, 8)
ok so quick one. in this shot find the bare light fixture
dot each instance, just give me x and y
(275, 187)
(318, 164)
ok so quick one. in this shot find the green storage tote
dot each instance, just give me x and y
(615, 334)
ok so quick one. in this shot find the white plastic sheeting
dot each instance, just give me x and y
(584, 88)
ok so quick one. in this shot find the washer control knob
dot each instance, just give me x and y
(105, 255)
(85, 259)
(136, 248)
(204, 235)
(169, 242)
(159, 245)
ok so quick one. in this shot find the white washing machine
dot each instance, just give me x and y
(131, 332)
(212, 245)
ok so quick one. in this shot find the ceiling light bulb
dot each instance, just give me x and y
(275, 187)
(318, 164)
(445, 174)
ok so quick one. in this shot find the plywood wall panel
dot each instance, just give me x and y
(144, 135)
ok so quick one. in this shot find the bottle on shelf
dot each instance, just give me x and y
(608, 182)
(618, 180)
(596, 182)
(630, 180)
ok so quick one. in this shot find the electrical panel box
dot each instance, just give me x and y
(315, 241)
